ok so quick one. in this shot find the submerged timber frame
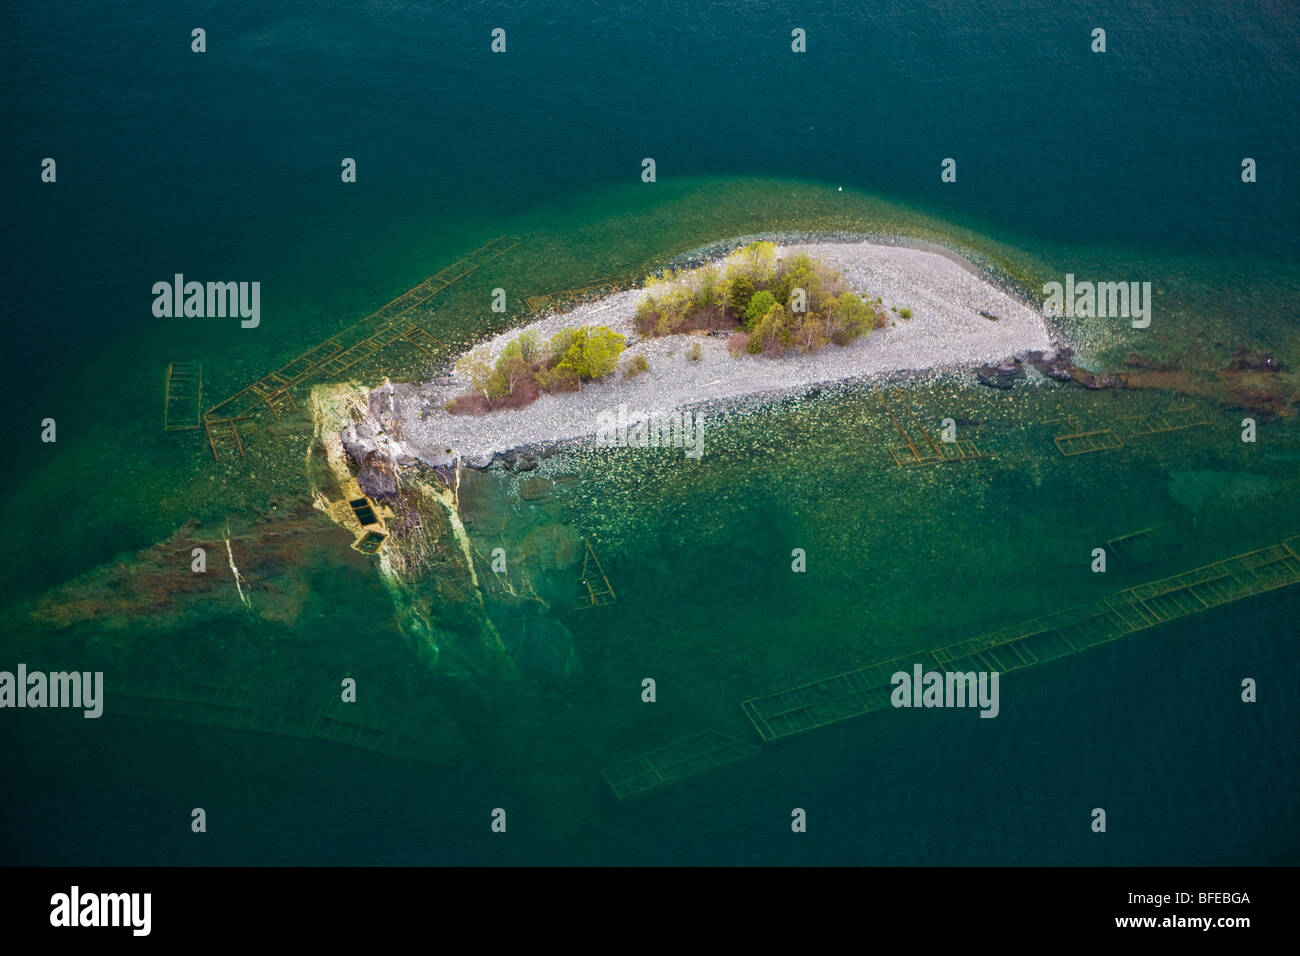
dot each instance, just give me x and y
(683, 758)
(183, 397)
(592, 592)
(853, 693)
(567, 298)
(820, 703)
(242, 708)
(922, 449)
(1080, 441)
(384, 327)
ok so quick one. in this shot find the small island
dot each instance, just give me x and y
(763, 321)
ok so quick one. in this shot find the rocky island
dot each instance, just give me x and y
(916, 310)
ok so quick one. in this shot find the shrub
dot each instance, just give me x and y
(528, 347)
(471, 403)
(905, 313)
(695, 353)
(756, 293)
(635, 366)
(736, 344)
(558, 379)
(592, 353)
(811, 334)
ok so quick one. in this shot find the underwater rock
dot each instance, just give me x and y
(535, 489)
(1139, 361)
(1054, 363)
(1003, 375)
(543, 648)
(552, 546)
(518, 461)
(278, 553)
(1250, 360)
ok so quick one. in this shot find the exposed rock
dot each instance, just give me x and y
(518, 461)
(1002, 375)
(1054, 363)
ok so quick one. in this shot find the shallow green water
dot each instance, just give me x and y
(699, 553)
(1122, 168)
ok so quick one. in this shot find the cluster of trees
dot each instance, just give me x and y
(772, 304)
(527, 367)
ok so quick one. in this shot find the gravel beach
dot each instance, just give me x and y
(946, 331)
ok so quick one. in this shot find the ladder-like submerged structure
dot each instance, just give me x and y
(851, 694)
(243, 708)
(568, 298)
(683, 758)
(183, 397)
(919, 447)
(1137, 547)
(393, 323)
(1076, 440)
(1170, 420)
(594, 587)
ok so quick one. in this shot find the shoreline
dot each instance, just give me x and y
(960, 321)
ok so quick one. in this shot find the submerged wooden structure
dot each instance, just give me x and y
(1076, 440)
(366, 518)
(853, 693)
(182, 397)
(1137, 547)
(1170, 420)
(567, 298)
(682, 758)
(337, 354)
(920, 447)
(259, 711)
(593, 590)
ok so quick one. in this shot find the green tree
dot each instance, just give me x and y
(759, 306)
(512, 368)
(525, 346)
(851, 318)
(737, 290)
(561, 341)
(758, 261)
(709, 290)
(773, 330)
(593, 352)
(477, 367)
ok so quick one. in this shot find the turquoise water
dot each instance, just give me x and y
(226, 166)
